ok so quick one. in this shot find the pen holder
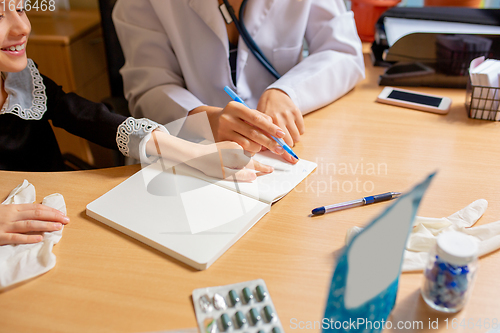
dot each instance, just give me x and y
(453, 62)
(482, 102)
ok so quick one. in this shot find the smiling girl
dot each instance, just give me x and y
(27, 142)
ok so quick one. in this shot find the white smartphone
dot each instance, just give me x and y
(415, 100)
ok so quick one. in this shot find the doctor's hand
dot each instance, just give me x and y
(279, 106)
(19, 221)
(247, 127)
(226, 160)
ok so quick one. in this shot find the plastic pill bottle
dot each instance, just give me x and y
(450, 272)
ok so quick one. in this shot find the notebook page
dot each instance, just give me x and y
(183, 216)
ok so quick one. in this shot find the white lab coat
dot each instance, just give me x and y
(177, 54)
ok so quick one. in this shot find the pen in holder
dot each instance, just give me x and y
(482, 102)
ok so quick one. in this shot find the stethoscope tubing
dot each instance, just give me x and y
(252, 46)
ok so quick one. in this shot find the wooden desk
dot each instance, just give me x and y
(105, 281)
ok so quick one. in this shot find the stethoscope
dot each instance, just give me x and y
(256, 51)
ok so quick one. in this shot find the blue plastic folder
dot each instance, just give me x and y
(365, 282)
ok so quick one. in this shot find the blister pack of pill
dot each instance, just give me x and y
(240, 307)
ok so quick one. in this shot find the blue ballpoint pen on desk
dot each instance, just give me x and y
(282, 143)
(356, 203)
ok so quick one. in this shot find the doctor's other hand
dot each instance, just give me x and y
(225, 160)
(19, 221)
(280, 107)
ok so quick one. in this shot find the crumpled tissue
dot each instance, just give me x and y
(25, 261)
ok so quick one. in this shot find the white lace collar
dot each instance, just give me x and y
(26, 96)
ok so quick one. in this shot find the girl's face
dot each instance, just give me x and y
(14, 31)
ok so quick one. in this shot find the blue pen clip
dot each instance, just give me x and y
(282, 143)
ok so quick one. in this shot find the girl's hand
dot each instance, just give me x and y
(279, 106)
(220, 160)
(227, 160)
(18, 220)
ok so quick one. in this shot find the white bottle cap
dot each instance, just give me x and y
(456, 248)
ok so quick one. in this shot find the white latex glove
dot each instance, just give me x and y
(25, 261)
(423, 236)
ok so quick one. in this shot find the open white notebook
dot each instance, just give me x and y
(192, 217)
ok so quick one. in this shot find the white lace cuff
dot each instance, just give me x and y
(132, 136)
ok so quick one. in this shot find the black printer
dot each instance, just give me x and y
(430, 58)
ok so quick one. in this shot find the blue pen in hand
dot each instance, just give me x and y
(282, 143)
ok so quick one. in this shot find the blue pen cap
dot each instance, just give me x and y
(319, 211)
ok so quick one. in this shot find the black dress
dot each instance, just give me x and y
(27, 142)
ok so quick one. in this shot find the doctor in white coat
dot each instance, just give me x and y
(177, 63)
